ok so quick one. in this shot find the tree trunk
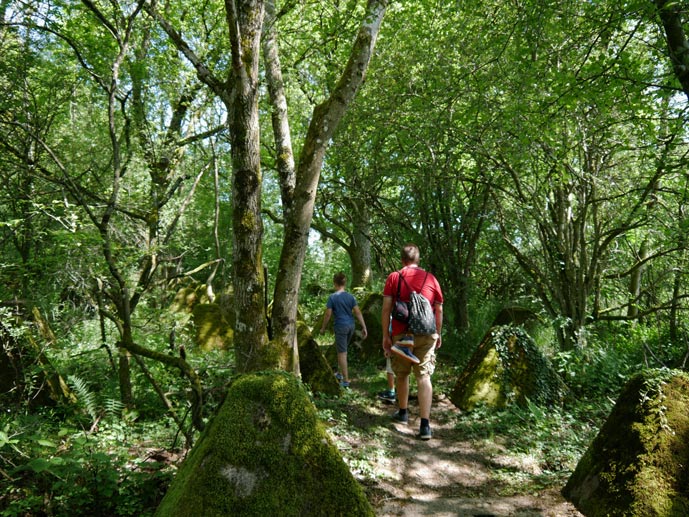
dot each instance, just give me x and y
(635, 283)
(299, 205)
(240, 96)
(670, 14)
(245, 20)
(360, 249)
(679, 273)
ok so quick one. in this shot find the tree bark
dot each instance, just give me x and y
(670, 13)
(299, 206)
(245, 21)
(360, 249)
(635, 282)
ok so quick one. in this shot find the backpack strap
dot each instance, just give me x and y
(424, 282)
(399, 283)
(401, 277)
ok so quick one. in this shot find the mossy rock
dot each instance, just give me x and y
(188, 297)
(371, 347)
(212, 329)
(225, 302)
(638, 464)
(264, 453)
(315, 368)
(507, 367)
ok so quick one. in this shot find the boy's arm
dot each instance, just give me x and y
(360, 317)
(326, 319)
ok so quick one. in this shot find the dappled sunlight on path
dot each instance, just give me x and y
(445, 476)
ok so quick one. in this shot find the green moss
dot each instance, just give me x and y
(526, 372)
(507, 367)
(212, 330)
(483, 387)
(315, 369)
(187, 298)
(637, 463)
(265, 453)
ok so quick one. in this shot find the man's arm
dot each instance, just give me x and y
(385, 322)
(438, 322)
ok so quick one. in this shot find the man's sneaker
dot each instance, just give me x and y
(344, 384)
(388, 395)
(400, 418)
(407, 340)
(405, 353)
(425, 432)
(338, 376)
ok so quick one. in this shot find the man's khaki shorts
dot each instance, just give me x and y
(424, 349)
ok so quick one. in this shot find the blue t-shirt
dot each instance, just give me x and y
(342, 303)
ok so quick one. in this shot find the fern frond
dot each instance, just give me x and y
(85, 396)
(113, 408)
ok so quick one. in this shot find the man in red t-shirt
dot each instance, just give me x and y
(422, 359)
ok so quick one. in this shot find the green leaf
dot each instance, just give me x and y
(5, 439)
(39, 465)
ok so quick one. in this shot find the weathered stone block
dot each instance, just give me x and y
(315, 369)
(507, 367)
(638, 464)
(264, 453)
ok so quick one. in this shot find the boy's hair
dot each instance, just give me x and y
(339, 279)
(410, 254)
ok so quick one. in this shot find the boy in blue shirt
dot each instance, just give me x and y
(342, 305)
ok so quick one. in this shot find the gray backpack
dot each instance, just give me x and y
(421, 319)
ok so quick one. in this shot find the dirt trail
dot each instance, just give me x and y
(447, 475)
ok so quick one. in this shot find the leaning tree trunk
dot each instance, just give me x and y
(300, 201)
(670, 14)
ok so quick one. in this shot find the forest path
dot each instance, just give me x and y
(445, 476)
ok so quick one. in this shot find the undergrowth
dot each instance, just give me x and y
(99, 458)
(52, 466)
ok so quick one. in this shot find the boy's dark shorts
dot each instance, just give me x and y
(343, 335)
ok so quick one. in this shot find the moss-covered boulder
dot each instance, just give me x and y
(371, 308)
(213, 331)
(639, 462)
(188, 297)
(315, 368)
(210, 323)
(264, 453)
(507, 367)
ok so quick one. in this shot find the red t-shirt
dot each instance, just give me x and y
(414, 277)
